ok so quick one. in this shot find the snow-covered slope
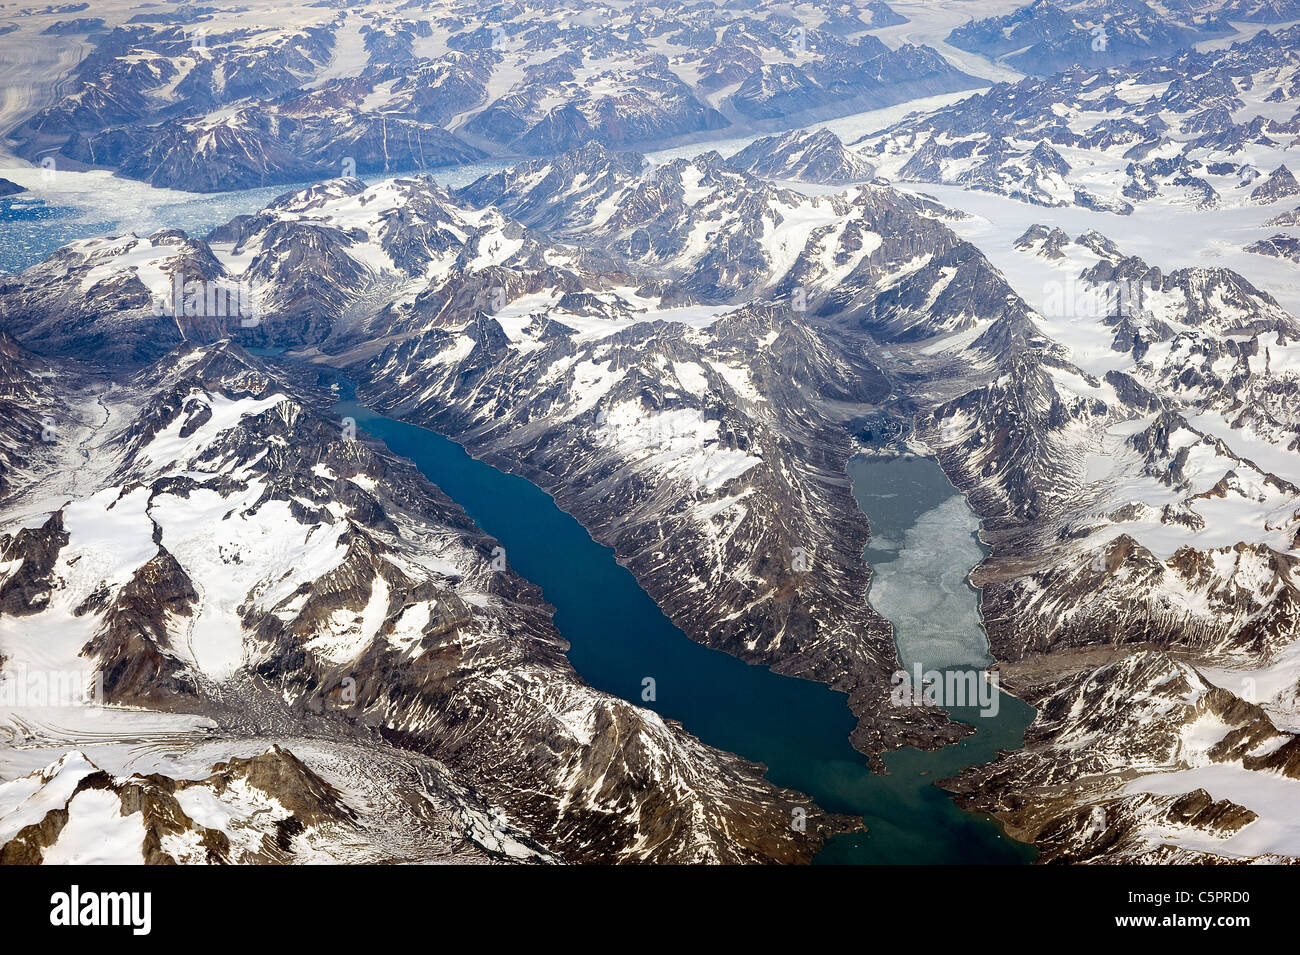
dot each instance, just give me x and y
(803, 157)
(1198, 129)
(233, 556)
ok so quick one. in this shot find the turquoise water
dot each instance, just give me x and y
(799, 729)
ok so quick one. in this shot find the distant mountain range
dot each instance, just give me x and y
(214, 103)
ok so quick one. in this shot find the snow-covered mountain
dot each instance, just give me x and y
(267, 808)
(1044, 37)
(1142, 504)
(803, 157)
(1196, 128)
(232, 566)
(441, 311)
(214, 98)
(1161, 721)
(297, 646)
(724, 235)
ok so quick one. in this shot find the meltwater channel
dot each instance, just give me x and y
(797, 728)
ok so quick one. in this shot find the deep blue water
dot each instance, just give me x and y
(797, 728)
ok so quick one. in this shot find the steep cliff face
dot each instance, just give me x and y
(30, 411)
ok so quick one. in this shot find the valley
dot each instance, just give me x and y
(615, 439)
(796, 729)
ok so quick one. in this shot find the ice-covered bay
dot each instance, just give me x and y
(924, 592)
(922, 549)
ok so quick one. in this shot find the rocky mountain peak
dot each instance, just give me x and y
(818, 156)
